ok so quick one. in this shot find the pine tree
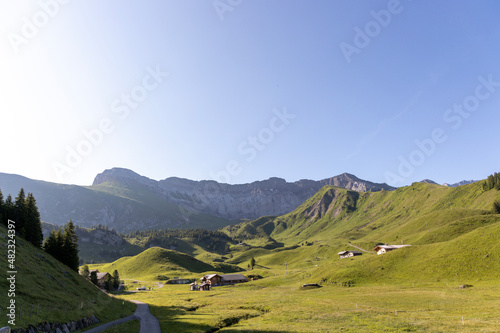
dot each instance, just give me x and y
(93, 277)
(53, 244)
(8, 209)
(33, 225)
(20, 213)
(116, 280)
(108, 282)
(252, 262)
(70, 246)
(496, 207)
(2, 204)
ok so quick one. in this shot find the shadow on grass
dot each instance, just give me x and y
(170, 318)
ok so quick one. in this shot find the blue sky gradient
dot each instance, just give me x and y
(255, 89)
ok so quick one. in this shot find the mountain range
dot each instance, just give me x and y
(127, 201)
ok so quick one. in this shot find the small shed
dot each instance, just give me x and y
(194, 286)
(381, 249)
(349, 254)
(204, 286)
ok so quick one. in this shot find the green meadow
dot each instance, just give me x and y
(279, 304)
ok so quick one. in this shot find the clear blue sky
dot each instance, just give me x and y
(391, 91)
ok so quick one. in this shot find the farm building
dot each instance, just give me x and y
(204, 286)
(381, 249)
(349, 254)
(101, 277)
(233, 278)
(215, 280)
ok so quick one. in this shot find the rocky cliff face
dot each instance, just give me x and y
(274, 196)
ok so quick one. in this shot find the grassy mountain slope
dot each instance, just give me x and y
(47, 290)
(450, 229)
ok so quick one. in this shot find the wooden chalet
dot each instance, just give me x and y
(101, 277)
(381, 249)
(349, 254)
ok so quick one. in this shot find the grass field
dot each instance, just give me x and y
(278, 304)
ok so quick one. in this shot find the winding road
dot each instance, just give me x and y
(149, 323)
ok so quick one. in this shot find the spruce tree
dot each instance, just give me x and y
(8, 209)
(108, 282)
(70, 246)
(20, 213)
(116, 279)
(496, 207)
(33, 224)
(93, 277)
(53, 244)
(2, 204)
(252, 262)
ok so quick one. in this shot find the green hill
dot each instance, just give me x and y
(48, 291)
(156, 261)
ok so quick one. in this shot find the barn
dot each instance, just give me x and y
(349, 254)
(381, 249)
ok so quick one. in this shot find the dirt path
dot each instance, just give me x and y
(149, 323)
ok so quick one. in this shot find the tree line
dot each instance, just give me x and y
(24, 212)
(61, 244)
(492, 182)
(211, 240)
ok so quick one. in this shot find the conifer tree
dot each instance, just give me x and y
(53, 244)
(93, 277)
(2, 204)
(8, 209)
(116, 279)
(108, 282)
(33, 224)
(70, 246)
(20, 213)
(496, 207)
(252, 262)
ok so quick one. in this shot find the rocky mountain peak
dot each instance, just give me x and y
(120, 175)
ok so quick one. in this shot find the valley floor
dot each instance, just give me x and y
(263, 306)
